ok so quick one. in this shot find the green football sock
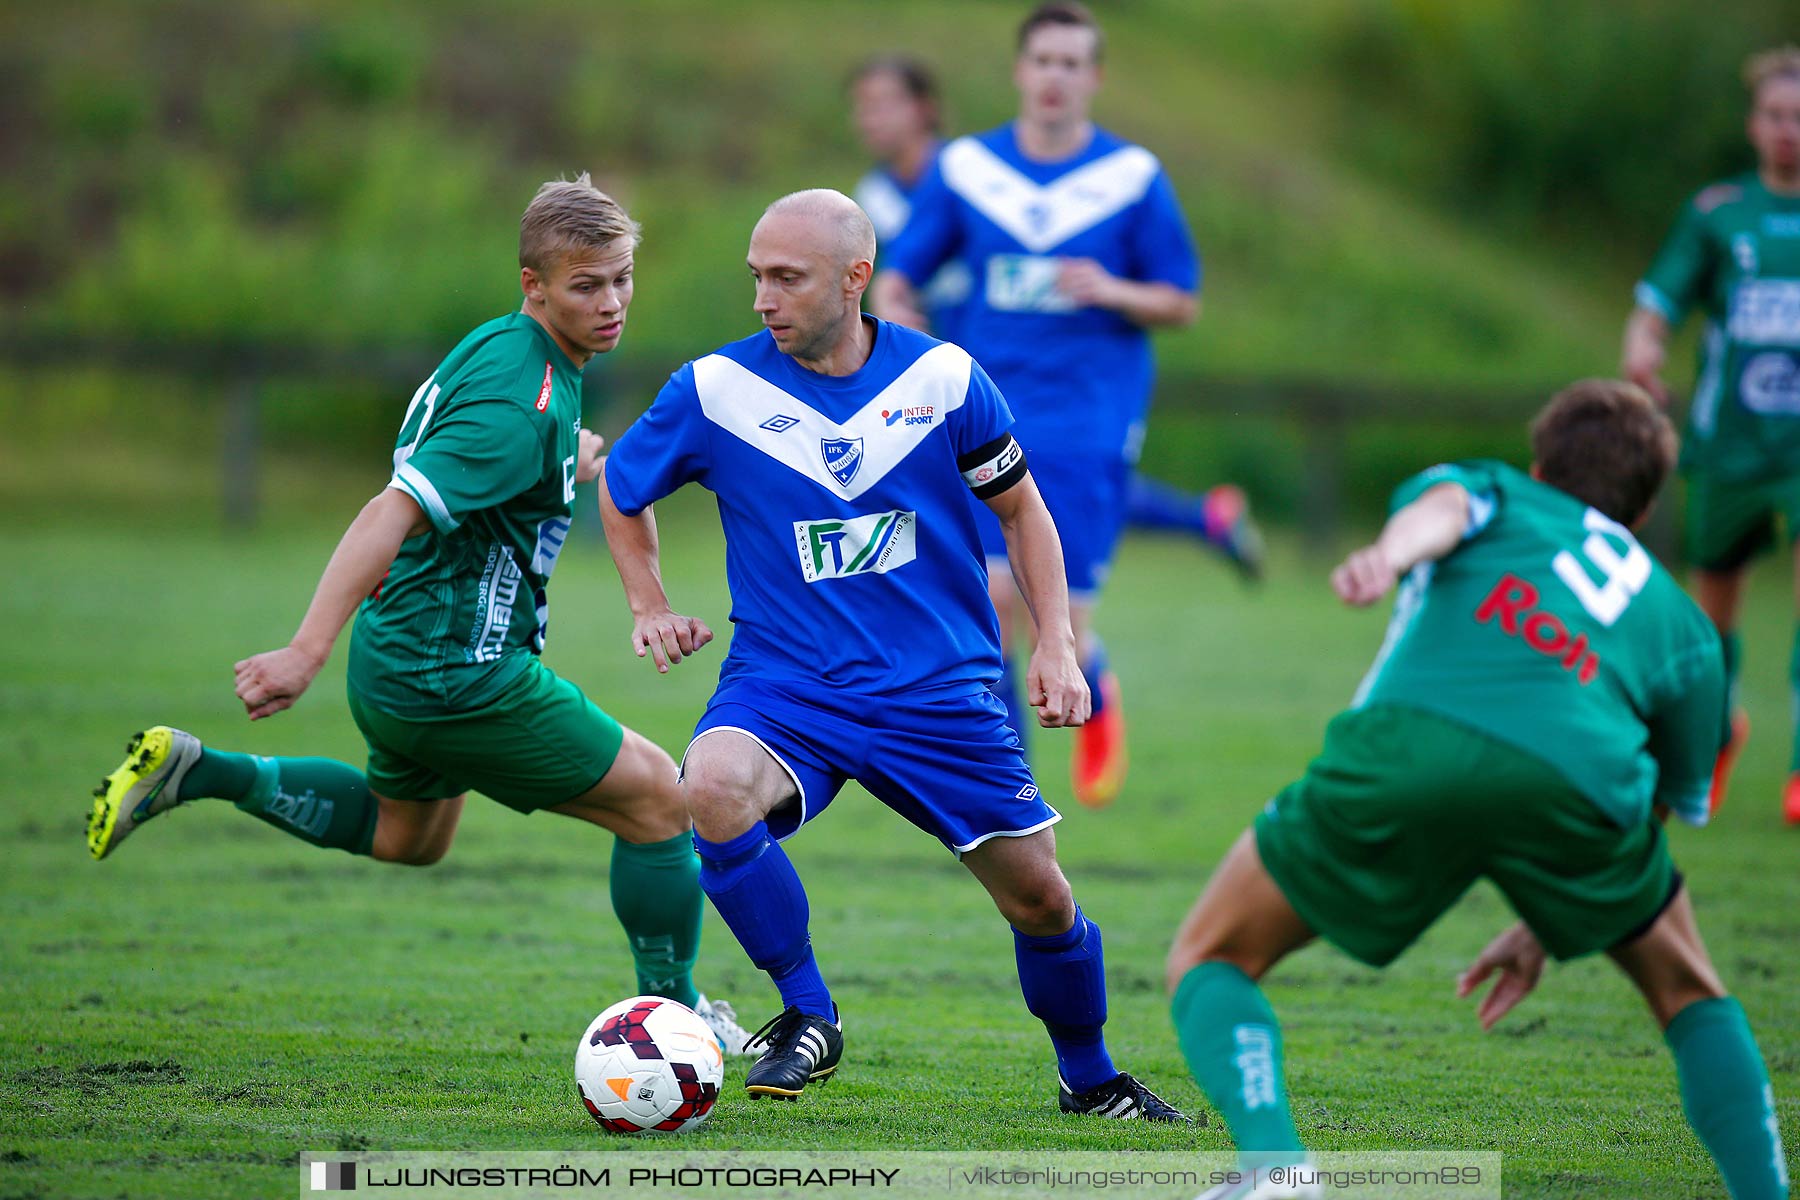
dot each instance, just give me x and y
(656, 894)
(1232, 1043)
(1726, 1094)
(317, 800)
(219, 775)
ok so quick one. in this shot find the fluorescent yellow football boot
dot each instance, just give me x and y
(146, 783)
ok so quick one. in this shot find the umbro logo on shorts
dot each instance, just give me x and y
(1028, 792)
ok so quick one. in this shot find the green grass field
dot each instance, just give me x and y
(187, 1017)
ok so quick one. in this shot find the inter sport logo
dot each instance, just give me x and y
(917, 414)
(866, 545)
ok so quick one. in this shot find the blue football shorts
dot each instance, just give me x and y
(1086, 497)
(950, 765)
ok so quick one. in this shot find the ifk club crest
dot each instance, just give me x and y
(843, 457)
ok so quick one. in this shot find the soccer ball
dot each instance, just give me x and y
(649, 1065)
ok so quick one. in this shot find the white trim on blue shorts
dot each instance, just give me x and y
(1055, 816)
(799, 788)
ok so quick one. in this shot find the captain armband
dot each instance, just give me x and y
(993, 468)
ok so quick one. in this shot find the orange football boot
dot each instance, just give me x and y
(1728, 756)
(1100, 760)
(1790, 800)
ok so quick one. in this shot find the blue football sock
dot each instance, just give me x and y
(754, 887)
(1093, 666)
(1007, 688)
(1155, 505)
(1064, 980)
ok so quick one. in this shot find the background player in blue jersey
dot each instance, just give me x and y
(842, 451)
(898, 115)
(1078, 248)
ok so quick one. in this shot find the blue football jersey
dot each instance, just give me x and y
(850, 543)
(1078, 378)
(887, 199)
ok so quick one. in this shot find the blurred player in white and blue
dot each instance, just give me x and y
(1078, 249)
(843, 451)
(898, 116)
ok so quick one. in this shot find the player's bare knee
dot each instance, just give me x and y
(408, 847)
(1042, 906)
(720, 802)
(426, 855)
(651, 797)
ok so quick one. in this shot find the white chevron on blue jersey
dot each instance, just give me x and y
(1042, 216)
(887, 206)
(740, 401)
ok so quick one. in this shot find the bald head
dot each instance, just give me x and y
(812, 255)
(830, 220)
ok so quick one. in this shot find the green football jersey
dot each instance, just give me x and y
(488, 449)
(1735, 254)
(1550, 628)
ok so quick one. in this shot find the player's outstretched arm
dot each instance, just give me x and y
(589, 461)
(1148, 304)
(656, 629)
(1053, 682)
(1519, 957)
(893, 298)
(275, 679)
(1646, 349)
(1428, 528)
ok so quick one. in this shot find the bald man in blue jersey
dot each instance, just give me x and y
(843, 451)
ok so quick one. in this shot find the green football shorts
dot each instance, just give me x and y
(1404, 809)
(1730, 522)
(537, 744)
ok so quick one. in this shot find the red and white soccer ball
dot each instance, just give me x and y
(649, 1065)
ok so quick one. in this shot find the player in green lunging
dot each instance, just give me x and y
(1545, 696)
(1735, 254)
(446, 571)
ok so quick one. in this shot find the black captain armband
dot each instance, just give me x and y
(993, 468)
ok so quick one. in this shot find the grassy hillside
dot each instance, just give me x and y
(342, 172)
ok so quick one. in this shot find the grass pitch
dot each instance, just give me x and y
(185, 1018)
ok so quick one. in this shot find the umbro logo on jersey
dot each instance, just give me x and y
(842, 457)
(918, 414)
(779, 423)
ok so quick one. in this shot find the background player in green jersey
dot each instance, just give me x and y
(1545, 695)
(446, 570)
(1735, 254)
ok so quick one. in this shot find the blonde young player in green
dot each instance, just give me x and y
(1735, 255)
(446, 571)
(1545, 695)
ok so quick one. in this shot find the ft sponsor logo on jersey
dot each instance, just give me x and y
(868, 545)
(1513, 606)
(917, 414)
